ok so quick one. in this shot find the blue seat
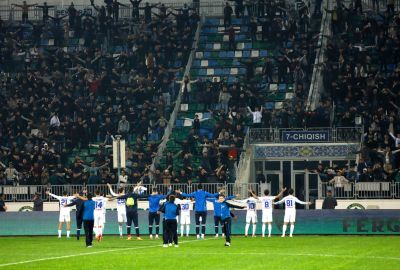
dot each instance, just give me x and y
(282, 87)
(206, 115)
(196, 63)
(206, 55)
(232, 79)
(209, 46)
(263, 53)
(230, 54)
(246, 54)
(269, 105)
(218, 72)
(391, 67)
(179, 123)
(247, 45)
(202, 72)
(222, 54)
(212, 63)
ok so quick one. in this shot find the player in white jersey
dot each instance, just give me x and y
(251, 215)
(100, 203)
(290, 211)
(267, 207)
(184, 215)
(65, 211)
(121, 208)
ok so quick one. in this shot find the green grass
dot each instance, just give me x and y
(299, 252)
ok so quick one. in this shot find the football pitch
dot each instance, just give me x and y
(299, 252)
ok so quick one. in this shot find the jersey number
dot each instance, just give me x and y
(99, 205)
(63, 202)
(185, 207)
(289, 203)
(252, 206)
(266, 204)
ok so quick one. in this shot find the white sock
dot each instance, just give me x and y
(291, 229)
(246, 229)
(187, 229)
(68, 232)
(254, 228)
(263, 229)
(284, 229)
(59, 233)
(120, 230)
(182, 227)
(269, 229)
(102, 229)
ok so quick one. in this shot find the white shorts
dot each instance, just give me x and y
(185, 219)
(98, 218)
(266, 216)
(121, 217)
(290, 216)
(64, 217)
(251, 217)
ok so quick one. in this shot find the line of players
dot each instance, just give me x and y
(127, 211)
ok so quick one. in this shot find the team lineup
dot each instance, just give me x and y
(175, 206)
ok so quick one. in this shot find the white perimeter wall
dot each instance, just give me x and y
(367, 204)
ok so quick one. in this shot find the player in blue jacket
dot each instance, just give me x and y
(226, 216)
(200, 208)
(154, 216)
(217, 213)
(171, 211)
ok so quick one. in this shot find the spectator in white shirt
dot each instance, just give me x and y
(396, 139)
(257, 116)
(123, 127)
(55, 121)
(12, 175)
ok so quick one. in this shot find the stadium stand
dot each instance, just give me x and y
(69, 85)
(361, 76)
(240, 65)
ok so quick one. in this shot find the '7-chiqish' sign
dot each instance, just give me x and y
(305, 136)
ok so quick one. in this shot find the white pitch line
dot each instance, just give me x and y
(299, 254)
(96, 252)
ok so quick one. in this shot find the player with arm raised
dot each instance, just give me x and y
(267, 207)
(251, 215)
(131, 211)
(217, 213)
(226, 214)
(200, 208)
(78, 214)
(121, 208)
(65, 211)
(290, 211)
(154, 216)
(100, 204)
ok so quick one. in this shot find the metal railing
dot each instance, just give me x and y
(26, 193)
(12, 13)
(275, 135)
(316, 85)
(361, 190)
(171, 123)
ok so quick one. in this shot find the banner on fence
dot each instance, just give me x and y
(363, 204)
(329, 222)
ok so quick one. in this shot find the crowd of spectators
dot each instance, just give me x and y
(362, 76)
(209, 152)
(59, 100)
